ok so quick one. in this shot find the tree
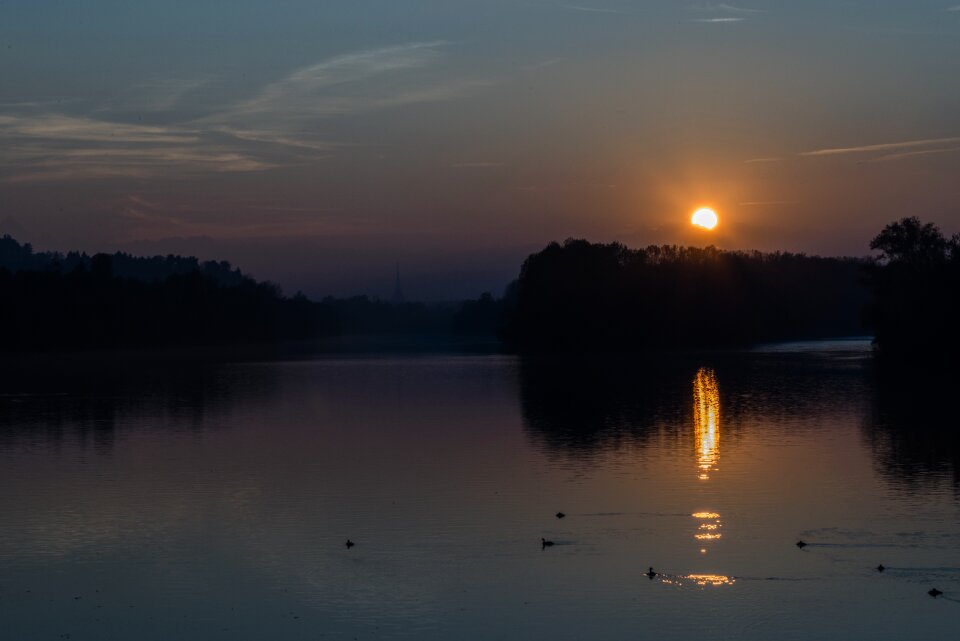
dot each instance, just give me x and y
(915, 287)
(911, 242)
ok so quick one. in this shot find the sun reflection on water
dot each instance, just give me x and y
(709, 527)
(711, 580)
(706, 424)
(706, 419)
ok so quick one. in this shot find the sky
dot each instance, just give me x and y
(317, 144)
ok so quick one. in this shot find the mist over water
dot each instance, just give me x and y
(209, 500)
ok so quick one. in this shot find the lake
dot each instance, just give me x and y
(190, 498)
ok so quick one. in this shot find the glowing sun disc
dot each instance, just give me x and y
(705, 218)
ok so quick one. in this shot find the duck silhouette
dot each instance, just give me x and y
(560, 515)
(880, 568)
(650, 574)
(350, 544)
(934, 593)
(801, 544)
(545, 543)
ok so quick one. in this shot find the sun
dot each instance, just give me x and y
(705, 218)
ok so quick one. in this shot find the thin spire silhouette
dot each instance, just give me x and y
(397, 288)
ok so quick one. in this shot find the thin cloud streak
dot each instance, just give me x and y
(911, 154)
(286, 111)
(717, 20)
(303, 94)
(907, 144)
(277, 138)
(57, 147)
(576, 7)
(82, 164)
(79, 129)
(728, 8)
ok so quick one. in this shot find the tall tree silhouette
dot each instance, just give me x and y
(915, 287)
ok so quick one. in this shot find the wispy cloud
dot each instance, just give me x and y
(286, 111)
(59, 147)
(73, 155)
(911, 154)
(577, 7)
(306, 93)
(80, 129)
(740, 14)
(274, 137)
(890, 146)
(717, 20)
(723, 8)
(767, 203)
(954, 8)
(277, 125)
(761, 160)
(37, 104)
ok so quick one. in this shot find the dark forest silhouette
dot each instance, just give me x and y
(73, 301)
(575, 296)
(82, 302)
(914, 306)
(584, 296)
(16, 257)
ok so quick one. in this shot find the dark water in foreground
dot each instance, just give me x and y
(190, 500)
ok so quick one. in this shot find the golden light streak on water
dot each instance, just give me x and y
(705, 515)
(711, 580)
(706, 421)
(708, 537)
(706, 427)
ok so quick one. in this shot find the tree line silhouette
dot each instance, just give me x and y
(72, 301)
(574, 296)
(585, 296)
(89, 306)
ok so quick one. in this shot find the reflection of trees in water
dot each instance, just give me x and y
(912, 428)
(46, 399)
(581, 407)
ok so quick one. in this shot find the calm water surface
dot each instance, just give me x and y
(194, 500)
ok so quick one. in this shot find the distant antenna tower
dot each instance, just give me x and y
(397, 289)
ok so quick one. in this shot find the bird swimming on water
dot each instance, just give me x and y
(545, 543)
(801, 544)
(880, 568)
(934, 593)
(350, 544)
(650, 574)
(560, 515)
